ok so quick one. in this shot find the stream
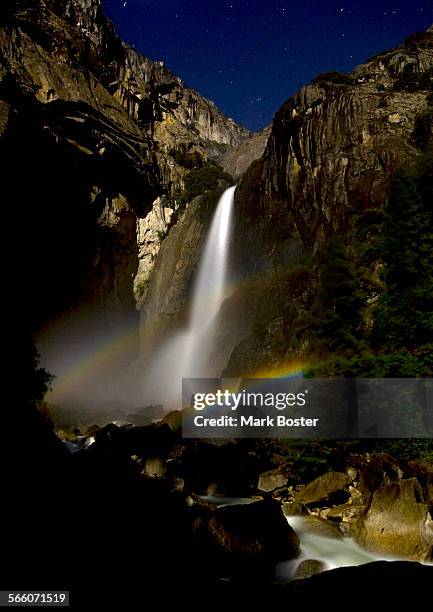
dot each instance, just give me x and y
(332, 552)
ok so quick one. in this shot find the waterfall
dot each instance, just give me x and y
(210, 291)
(188, 354)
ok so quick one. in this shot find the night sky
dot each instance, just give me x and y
(249, 56)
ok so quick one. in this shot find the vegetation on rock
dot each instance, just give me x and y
(187, 159)
(202, 179)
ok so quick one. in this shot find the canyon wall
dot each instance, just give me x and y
(331, 157)
(90, 131)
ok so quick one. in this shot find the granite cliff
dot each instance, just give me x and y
(95, 138)
(330, 160)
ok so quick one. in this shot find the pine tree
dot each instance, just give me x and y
(404, 316)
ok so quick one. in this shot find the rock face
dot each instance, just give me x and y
(236, 161)
(335, 144)
(170, 277)
(94, 128)
(398, 522)
(332, 153)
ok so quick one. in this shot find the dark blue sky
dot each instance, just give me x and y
(249, 56)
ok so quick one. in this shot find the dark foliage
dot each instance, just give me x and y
(200, 180)
(187, 159)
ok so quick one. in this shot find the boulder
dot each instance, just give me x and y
(272, 479)
(391, 582)
(344, 512)
(321, 527)
(177, 485)
(330, 487)
(398, 522)
(154, 468)
(294, 509)
(309, 568)
(375, 471)
(154, 440)
(246, 541)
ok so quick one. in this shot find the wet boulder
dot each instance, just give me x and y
(321, 527)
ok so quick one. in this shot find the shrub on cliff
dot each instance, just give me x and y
(187, 159)
(404, 315)
(36, 381)
(199, 180)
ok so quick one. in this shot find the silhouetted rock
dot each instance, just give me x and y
(380, 577)
(246, 541)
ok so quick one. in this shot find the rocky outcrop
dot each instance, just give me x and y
(308, 568)
(398, 522)
(373, 503)
(157, 99)
(237, 160)
(335, 145)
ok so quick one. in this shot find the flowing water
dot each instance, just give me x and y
(210, 291)
(332, 552)
(188, 354)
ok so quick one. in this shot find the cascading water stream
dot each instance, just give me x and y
(331, 552)
(210, 291)
(189, 354)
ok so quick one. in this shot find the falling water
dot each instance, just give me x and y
(188, 354)
(210, 291)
